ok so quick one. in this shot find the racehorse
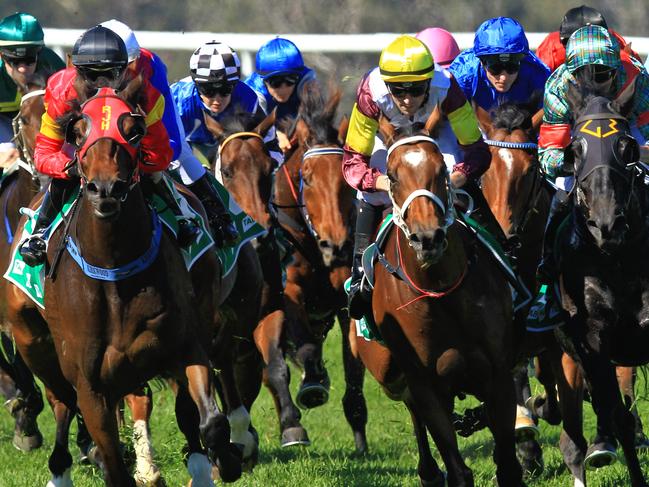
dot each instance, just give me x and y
(98, 339)
(430, 292)
(246, 169)
(17, 190)
(315, 208)
(604, 285)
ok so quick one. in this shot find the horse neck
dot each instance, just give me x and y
(113, 243)
(287, 183)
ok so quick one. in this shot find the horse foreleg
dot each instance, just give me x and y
(214, 426)
(626, 377)
(500, 401)
(354, 404)
(526, 431)
(141, 405)
(268, 338)
(429, 472)
(60, 461)
(570, 387)
(101, 422)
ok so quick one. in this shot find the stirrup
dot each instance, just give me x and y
(187, 232)
(33, 251)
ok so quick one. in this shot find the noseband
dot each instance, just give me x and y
(399, 212)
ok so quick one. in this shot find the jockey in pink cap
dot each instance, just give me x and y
(441, 44)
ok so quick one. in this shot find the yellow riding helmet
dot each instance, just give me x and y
(406, 59)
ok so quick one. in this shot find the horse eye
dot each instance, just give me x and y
(227, 172)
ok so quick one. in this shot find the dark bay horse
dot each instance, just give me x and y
(247, 170)
(315, 208)
(97, 340)
(24, 398)
(604, 279)
(428, 303)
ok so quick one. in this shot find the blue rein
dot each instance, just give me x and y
(511, 145)
(126, 271)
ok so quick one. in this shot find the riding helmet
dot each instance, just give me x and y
(99, 47)
(500, 36)
(21, 35)
(214, 62)
(579, 17)
(406, 59)
(278, 56)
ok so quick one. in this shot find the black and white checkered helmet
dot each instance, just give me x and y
(214, 62)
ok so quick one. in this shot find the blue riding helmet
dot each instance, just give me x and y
(278, 56)
(500, 35)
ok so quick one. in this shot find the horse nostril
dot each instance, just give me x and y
(119, 188)
(325, 244)
(439, 236)
(591, 223)
(91, 187)
(414, 238)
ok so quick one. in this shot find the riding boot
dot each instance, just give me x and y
(34, 249)
(548, 269)
(187, 229)
(223, 228)
(367, 219)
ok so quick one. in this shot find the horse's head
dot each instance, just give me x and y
(327, 198)
(420, 191)
(602, 156)
(245, 164)
(27, 123)
(106, 132)
(513, 176)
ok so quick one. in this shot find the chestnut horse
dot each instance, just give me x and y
(23, 396)
(97, 340)
(315, 208)
(604, 280)
(247, 169)
(428, 303)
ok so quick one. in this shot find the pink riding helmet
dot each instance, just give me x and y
(441, 44)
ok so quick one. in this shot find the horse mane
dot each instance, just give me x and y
(409, 131)
(239, 121)
(317, 112)
(512, 116)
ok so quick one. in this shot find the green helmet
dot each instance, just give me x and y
(21, 35)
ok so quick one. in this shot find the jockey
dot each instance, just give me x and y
(441, 44)
(191, 171)
(22, 54)
(595, 48)
(500, 67)
(552, 50)
(405, 88)
(214, 89)
(99, 58)
(279, 77)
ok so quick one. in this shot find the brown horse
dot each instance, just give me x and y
(247, 171)
(97, 340)
(315, 208)
(428, 303)
(23, 397)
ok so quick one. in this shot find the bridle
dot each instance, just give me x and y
(399, 212)
(26, 160)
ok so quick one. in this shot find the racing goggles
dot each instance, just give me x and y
(497, 68)
(210, 90)
(277, 81)
(403, 89)
(93, 73)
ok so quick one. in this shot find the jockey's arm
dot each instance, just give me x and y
(51, 154)
(156, 149)
(465, 127)
(555, 132)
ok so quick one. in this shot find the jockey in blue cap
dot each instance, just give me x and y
(278, 79)
(213, 89)
(500, 67)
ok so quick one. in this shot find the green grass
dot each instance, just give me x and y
(329, 461)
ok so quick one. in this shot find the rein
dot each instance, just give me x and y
(511, 145)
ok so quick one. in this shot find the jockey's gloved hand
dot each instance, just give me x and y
(224, 230)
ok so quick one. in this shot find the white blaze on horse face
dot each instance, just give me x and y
(507, 158)
(414, 157)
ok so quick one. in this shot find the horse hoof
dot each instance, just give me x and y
(312, 395)
(295, 436)
(530, 457)
(360, 442)
(229, 464)
(151, 479)
(539, 406)
(27, 443)
(600, 455)
(64, 480)
(438, 481)
(641, 442)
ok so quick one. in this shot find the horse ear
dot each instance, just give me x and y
(214, 127)
(68, 60)
(265, 125)
(484, 119)
(623, 103)
(301, 131)
(433, 121)
(334, 100)
(537, 120)
(387, 131)
(342, 130)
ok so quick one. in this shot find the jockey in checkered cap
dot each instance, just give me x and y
(279, 77)
(190, 169)
(214, 89)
